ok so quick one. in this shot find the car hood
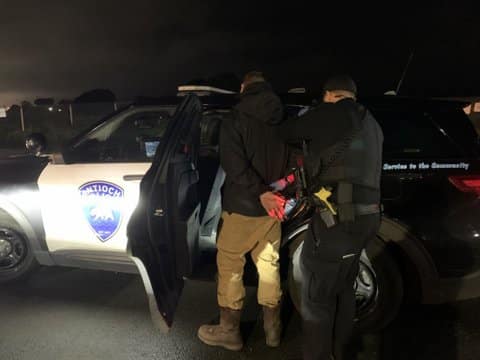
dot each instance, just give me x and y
(21, 169)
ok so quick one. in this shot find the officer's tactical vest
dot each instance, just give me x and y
(357, 159)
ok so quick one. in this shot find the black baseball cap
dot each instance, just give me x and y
(340, 82)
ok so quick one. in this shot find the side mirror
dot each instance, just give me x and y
(36, 143)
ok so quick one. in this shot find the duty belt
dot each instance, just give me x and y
(347, 214)
(364, 209)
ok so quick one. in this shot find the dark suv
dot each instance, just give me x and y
(141, 192)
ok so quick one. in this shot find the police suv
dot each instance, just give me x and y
(140, 192)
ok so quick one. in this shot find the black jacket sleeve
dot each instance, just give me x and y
(325, 125)
(234, 160)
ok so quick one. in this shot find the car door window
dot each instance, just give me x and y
(131, 137)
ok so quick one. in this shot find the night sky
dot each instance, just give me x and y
(62, 48)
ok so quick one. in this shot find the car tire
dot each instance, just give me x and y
(24, 264)
(379, 274)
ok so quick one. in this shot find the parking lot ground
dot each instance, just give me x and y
(63, 313)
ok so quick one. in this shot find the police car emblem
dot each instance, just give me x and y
(102, 206)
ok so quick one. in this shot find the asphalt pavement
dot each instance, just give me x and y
(63, 313)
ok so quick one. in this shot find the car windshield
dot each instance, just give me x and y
(129, 136)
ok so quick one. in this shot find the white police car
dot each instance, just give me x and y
(125, 195)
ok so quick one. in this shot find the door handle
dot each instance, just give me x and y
(133, 177)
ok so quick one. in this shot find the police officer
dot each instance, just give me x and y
(343, 150)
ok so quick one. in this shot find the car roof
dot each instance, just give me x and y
(218, 100)
(209, 101)
(410, 102)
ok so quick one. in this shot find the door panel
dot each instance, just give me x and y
(86, 207)
(163, 231)
(89, 194)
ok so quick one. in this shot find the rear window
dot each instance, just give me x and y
(458, 126)
(415, 133)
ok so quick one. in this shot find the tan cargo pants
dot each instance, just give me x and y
(239, 235)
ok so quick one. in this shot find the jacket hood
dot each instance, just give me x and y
(259, 100)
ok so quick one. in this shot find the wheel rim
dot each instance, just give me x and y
(12, 249)
(366, 288)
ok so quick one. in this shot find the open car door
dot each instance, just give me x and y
(163, 230)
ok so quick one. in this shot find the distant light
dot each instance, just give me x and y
(50, 109)
(476, 234)
(59, 110)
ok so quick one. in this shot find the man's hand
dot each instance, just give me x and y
(273, 204)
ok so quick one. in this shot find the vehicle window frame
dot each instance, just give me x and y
(69, 151)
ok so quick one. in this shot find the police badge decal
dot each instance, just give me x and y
(102, 204)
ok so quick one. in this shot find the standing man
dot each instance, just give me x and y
(343, 145)
(253, 156)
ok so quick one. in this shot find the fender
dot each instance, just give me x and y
(393, 231)
(40, 252)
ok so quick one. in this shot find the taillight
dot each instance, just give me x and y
(469, 183)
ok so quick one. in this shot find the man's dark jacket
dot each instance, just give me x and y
(251, 152)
